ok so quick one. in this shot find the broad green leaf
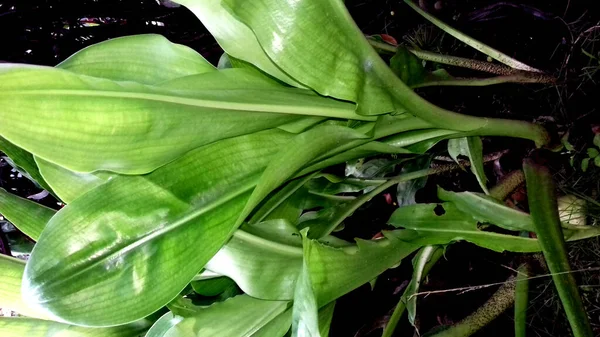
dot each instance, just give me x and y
(484, 208)
(269, 269)
(31, 327)
(453, 225)
(331, 56)
(239, 316)
(84, 116)
(305, 317)
(301, 150)
(234, 37)
(28, 216)
(472, 148)
(69, 185)
(133, 243)
(11, 273)
(147, 58)
(23, 161)
(407, 66)
(544, 212)
(277, 327)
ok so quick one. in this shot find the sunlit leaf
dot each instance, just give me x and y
(31, 327)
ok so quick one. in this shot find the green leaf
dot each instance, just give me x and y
(333, 57)
(269, 269)
(213, 287)
(407, 190)
(325, 317)
(596, 140)
(301, 150)
(484, 208)
(407, 66)
(338, 56)
(182, 306)
(305, 318)
(544, 212)
(454, 225)
(23, 161)
(422, 263)
(278, 327)
(10, 289)
(163, 325)
(28, 216)
(83, 116)
(133, 243)
(472, 148)
(331, 184)
(69, 185)
(592, 152)
(148, 59)
(234, 37)
(31, 327)
(597, 161)
(239, 316)
(521, 300)
(585, 163)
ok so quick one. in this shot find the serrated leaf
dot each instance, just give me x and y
(238, 316)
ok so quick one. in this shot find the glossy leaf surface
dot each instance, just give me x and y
(133, 243)
(131, 128)
(11, 273)
(28, 216)
(147, 58)
(31, 327)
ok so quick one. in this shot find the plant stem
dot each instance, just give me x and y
(434, 257)
(502, 299)
(446, 119)
(480, 46)
(544, 213)
(521, 300)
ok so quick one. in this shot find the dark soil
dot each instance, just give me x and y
(550, 35)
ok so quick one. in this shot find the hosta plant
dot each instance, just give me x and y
(198, 200)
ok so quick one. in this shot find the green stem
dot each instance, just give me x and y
(502, 299)
(544, 213)
(521, 300)
(446, 119)
(433, 258)
(480, 46)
